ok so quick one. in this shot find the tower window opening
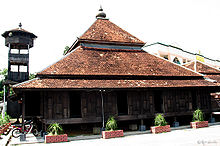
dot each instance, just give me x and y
(23, 68)
(14, 68)
(14, 51)
(23, 51)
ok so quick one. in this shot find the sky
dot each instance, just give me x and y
(192, 25)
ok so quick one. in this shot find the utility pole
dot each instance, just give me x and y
(4, 106)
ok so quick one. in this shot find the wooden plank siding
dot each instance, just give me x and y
(55, 105)
(140, 103)
(110, 104)
(91, 104)
(177, 100)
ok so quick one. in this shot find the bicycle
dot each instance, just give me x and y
(29, 128)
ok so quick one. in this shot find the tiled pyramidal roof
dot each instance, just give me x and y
(105, 30)
(107, 56)
(104, 61)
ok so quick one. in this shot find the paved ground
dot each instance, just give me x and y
(209, 136)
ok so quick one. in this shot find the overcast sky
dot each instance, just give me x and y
(189, 24)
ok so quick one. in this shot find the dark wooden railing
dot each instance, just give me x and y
(21, 58)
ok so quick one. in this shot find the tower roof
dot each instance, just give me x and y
(19, 30)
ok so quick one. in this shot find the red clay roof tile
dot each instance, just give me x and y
(210, 72)
(85, 61)
(113, 62)
(214, 77)
(105, 30)
(79, 84)
(202, 68)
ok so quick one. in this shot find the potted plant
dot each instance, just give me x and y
(198, 120)
(111, 127)
(54, 131)
(160, 125)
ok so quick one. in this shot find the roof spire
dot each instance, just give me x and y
(20, 25)
(100, 9)
(101, 14)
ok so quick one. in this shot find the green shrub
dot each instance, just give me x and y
(55, 129)
(198, 115)
(5, 120)
(160, 120)
(111, 124)
(1, 121)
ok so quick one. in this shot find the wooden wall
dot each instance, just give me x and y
(91, 104)
(204, 99)
(56, 105)
(177, 100)
(140, 102)
(110, 103)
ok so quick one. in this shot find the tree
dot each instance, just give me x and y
(65, 50)
(32, 76)
(4, 74)
(3, 78)
(1, 95)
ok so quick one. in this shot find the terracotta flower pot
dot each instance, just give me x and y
(160, 129)
(4, 128)
(112, 134)
(199, 124)
(1, 131)
(56, 138)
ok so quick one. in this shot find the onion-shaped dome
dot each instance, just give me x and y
(101, 14)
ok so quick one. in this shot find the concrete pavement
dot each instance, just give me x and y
(209, 136)
(189, 137)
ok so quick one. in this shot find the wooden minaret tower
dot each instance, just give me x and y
(18, 41)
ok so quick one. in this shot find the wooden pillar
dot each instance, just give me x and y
(45, 126)
(28, 61)
(164, 99)
(141, 99)
(142, 122)
(7, 92)
(103, 112)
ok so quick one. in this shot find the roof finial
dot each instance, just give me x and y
(20, 25)
(100, 8)
(101, 14)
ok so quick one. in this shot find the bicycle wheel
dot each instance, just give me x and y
(16, 133)
(35, 132)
